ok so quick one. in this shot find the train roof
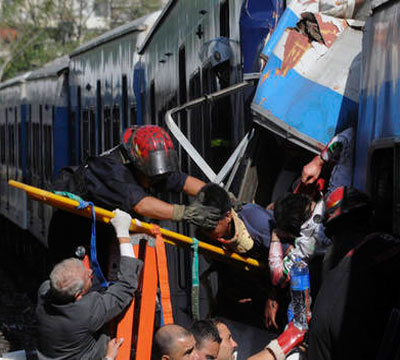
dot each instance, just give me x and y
(136, 25)
(166, 10)
(51, 69)
(15, 80)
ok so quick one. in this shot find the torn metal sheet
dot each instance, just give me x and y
(309, 88)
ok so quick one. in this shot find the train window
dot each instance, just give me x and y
(99, 113)
(224, 18)
(72, 123)
(85, 135)
(3, 143)
(382, 187)
(107, 128)
(195, 125)
(11, 143)
(48, 148)
(40, 141)
(182, 99)
(36, 148)
(124, 101)
(78, 123)
(28, 140)
(116, 124)
(133, 114)
(153, 102)
(19, 146)
(92, 130)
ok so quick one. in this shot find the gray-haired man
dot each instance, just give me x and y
(70, 318)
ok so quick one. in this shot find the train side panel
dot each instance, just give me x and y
(377, 161)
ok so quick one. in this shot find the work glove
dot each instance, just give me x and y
(288, 340)
(206, 217)
(121, 222)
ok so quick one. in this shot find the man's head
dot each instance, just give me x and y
(70, 280)
(214, 195)
(173, 342)
(228, 346)
(290, 213)
(207, 339)
(151, 150)
(347, 210)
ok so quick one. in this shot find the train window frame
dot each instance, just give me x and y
(85, 131)
(224, 24)
(153, 113)
(99, 113)
(92, 132)
(124, 101)
(133, 114)
(107, 116)
(3, 146)
(78, 134)
(11, 139)
(116, 125)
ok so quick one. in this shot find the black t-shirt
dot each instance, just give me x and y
(111, 183)
(355, 301)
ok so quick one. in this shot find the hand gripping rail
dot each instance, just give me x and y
(103, 215)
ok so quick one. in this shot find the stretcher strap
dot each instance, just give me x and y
(162, 267)
(93, 250)
(195, 280)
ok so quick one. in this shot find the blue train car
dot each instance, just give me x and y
(101, 88)
(13, 117)
(377, 161)
(47, 135)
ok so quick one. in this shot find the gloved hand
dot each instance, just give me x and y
(288, 340)
(121, 222)
(206, 217)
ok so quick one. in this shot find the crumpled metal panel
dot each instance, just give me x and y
(309, 87)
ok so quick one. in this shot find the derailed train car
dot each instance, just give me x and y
(13, 118)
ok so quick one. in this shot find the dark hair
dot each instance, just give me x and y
(205, 329)
(291, 212)
(214, 195)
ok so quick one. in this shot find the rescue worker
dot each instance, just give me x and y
(71, 316)
(127, 177)
(173, 342)
(207, 339)
(228, 347)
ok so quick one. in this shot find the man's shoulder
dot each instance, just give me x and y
(256, 210)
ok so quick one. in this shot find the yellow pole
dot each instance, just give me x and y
(170, 237)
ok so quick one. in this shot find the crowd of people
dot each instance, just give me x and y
(355, 305)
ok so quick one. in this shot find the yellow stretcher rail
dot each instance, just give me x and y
(170, 237)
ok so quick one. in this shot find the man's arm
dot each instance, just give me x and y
(192, 186)
(154, 208)
(117, 297)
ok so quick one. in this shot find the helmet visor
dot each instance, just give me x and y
(160, 163)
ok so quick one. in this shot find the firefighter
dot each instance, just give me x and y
(128, 177)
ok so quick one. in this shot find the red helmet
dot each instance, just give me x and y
(151, 150)
(345, 200)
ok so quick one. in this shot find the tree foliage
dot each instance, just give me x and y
(34, 32)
